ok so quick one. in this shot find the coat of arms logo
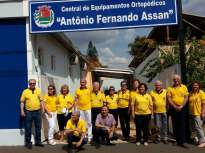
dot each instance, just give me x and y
(44, 16)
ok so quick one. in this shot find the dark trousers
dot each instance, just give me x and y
(94, 113)
(62, 120)
(33, 116)
(124, 121)
(100, 133)
(179, 123)
(114, 112)
(72, 138)
(142, 125)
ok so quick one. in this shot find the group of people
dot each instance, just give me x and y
(93, 116)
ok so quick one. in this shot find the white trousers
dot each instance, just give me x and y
(86, 115)
(51, 124)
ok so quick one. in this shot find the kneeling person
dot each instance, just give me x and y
(76, 131)
(104, 126)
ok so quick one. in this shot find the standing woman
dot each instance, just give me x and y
(50, 105)
(64, 109)
(141, 111)
(111, 101)
(197, 111)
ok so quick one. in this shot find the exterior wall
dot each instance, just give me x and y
(137, 71)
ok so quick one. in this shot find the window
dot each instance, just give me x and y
(53, 63)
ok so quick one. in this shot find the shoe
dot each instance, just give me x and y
(28, 146)
(52, 143)
(39, 145)
(138, 143)
(97, 145)
(146, 144)
(165, 142)
(201, 145)
(110, 144)
(157, 141)
(182, 145)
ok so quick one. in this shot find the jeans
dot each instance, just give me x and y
(196, 124)
(51, 124)
(161, 124)
(114, 112)
(72, 138)
(124, 121)
(86, 116)
(100, 133)
(30, 117)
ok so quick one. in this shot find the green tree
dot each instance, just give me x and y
(92, 51)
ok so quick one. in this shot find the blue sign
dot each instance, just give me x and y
(60, 16)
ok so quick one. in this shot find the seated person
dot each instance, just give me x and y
(75, 131)
(104, 127)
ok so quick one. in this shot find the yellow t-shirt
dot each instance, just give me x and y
(84, 98)
(195, 103)
(112, 101)
(132, 95)
(177, 94)
(63, 102)
(123, 99)
(50, 103)
(81, 125)
(143, 104)
(97, 99)
(31, 99)
(159, 101)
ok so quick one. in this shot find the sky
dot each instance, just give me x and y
(112, 45)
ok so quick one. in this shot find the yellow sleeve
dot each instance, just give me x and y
(40, 95)
(169, 92)
(103, 97)
(71, 100)
(186, 90)
(68, 125)
(76, 93)
(203, 97)
(23, 97)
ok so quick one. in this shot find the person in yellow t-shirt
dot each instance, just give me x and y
(134, 91)
(197, 111)
(177, 96)
(111, 102)
(124, 109)
(97, 101)
(76, 131)
(160, 111)
(141, 111)
(50, 105)
(83, 103)
(31, 110)
(64, 108)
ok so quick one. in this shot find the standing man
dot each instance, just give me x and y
(160, 111)
(75, 131)
(177, 96)
(83, 103)
(124, 109)
(97, 101)
(31, 110)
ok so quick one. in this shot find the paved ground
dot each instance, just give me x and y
(118, 148)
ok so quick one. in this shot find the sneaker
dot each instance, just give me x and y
(138, 143)
(201, 145)
(146, 144)
(52, 143)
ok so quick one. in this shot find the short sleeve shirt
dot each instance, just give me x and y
(80, 125)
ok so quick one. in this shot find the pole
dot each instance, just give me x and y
(181, 43)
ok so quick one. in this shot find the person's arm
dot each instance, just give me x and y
(82, 136)
(45, 108)
(112, 130)
(203, 109)
(22, 109)
(133, 108)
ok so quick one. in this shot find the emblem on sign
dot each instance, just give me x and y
(44, 16)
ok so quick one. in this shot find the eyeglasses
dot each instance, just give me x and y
(32, 83)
